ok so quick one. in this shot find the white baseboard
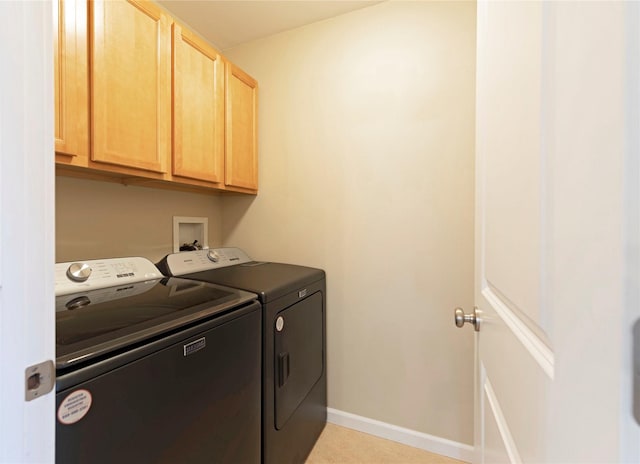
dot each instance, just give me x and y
(409, 437)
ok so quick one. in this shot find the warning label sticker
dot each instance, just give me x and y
(74, 407)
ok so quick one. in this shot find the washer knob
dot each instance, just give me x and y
(213, 256)
(79, 272)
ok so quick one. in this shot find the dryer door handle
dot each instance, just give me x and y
(283, 369)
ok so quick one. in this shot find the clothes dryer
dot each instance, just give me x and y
(294, 385)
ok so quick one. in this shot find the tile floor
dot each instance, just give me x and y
(340, 445)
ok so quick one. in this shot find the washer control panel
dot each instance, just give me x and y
(186, 262)
(80, 276)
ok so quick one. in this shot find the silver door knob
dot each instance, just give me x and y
(461, 318)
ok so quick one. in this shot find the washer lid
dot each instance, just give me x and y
(94, 323)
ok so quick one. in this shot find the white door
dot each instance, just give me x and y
(27, 312)
(557, 279)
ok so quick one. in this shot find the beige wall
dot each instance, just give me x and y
(366, 170)
(101, 219)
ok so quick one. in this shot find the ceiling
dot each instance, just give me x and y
(228, 23)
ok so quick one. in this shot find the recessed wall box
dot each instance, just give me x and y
(189, 230)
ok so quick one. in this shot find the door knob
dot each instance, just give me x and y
(461, 318)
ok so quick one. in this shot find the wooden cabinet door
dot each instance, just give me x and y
(241, 167)
(198, 108)
(71, 85)
(131, 91)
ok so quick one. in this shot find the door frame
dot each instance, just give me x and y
(27, 241)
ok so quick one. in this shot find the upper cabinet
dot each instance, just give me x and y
(71, 104)
(198, 108)
(131, 84)
(141, 99)
(241, 169)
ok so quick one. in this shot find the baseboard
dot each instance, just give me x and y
(409, 437)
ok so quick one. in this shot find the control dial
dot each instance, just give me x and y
(79, 272)
(213, 256)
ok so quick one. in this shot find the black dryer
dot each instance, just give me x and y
(294, 385)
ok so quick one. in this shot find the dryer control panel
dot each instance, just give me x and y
(187, 262)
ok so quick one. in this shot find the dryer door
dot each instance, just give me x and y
(298, 354)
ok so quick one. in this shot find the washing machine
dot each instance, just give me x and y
(294, 385)
(154, 370)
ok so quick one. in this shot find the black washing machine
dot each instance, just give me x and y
(293, 298)
(153, 369)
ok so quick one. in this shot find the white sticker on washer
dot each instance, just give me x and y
(74, 407)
